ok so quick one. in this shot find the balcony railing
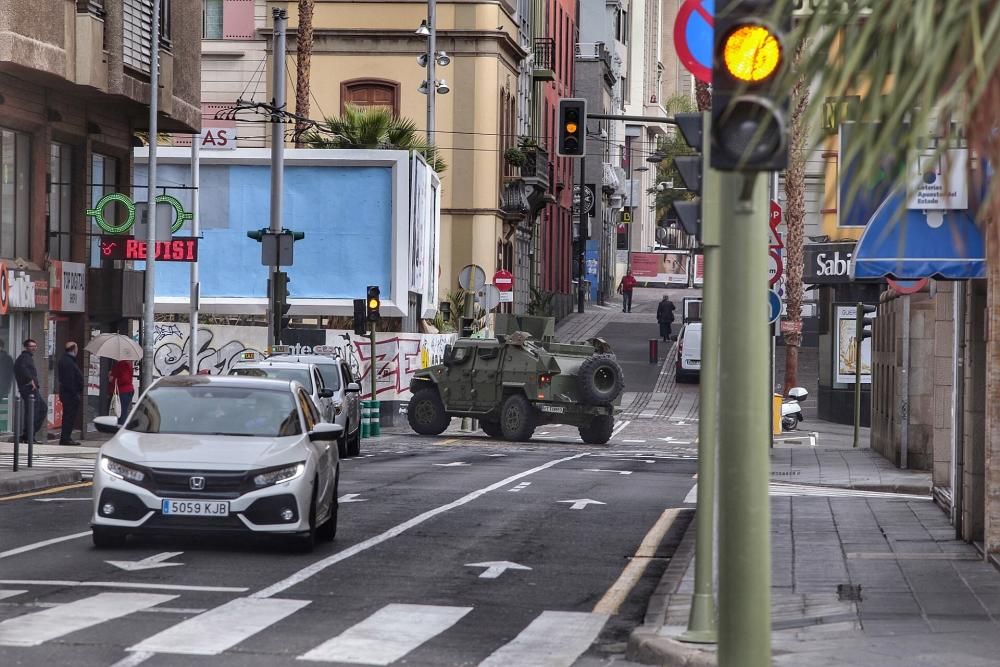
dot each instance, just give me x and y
(545, 52)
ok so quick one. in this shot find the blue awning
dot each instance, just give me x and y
(910, 244)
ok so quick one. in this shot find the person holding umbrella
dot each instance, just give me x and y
(124, 351)
(120, 379)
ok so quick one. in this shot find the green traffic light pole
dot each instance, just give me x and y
(701, 627)
(744, 437)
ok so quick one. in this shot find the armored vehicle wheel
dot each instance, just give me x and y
(601, 379)
(517, 418)
(491, 429)
(426, 412)
(598, 431)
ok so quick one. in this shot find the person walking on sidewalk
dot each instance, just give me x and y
(26, 377)
(120, 378)
(625, 287)
(70, 392)
(665, 316)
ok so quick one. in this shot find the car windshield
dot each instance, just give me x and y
(217, 410)
(300, 375)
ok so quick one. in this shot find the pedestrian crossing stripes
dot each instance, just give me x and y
(552, 639)
(388, 634)
(85, 466)
(42, 626)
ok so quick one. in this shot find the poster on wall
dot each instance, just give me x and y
(846, 347)
(661, 268)
(699, 270)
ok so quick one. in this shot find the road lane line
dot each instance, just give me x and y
(9, 594)
(42, 626)
(619, 427)
(120, 584)
(554, 639)
(388, 634)
(616, 595)
(44, 543)
(221, 628)
(133, 660)
(692, 497)
(320, 565)
(57, 489)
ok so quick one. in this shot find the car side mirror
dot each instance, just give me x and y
(326, 392)
(353, 387)
(323, 432)
(106, 424)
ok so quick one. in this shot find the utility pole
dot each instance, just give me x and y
(701, 621)
(744, 437)
(431, 71)
(582, 258)
(195, 232)
(277, 157)
(149, 304)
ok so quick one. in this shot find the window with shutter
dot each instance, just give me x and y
(370, 93)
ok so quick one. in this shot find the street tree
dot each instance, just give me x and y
(795, 221)
(303, 67)
(671, 145)
(372, 128)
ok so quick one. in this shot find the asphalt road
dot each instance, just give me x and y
(407, 580)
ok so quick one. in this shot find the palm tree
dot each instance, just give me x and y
(372, 128)
(795, 219)
(303, 66)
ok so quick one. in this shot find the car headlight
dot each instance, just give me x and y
(121, 471)
(278, 475)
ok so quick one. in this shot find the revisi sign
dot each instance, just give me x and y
(827, 263)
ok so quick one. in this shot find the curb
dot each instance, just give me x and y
(647, 647)
(911, 489)
(27, 481)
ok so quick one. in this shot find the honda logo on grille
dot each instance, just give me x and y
(196, 483)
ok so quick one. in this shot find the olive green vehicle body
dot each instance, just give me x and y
(479, 374)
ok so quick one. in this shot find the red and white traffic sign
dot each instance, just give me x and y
(504, 282)
(775, 267)
(775, 220)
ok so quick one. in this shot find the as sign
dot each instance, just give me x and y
(218, 138)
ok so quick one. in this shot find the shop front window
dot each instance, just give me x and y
(6, 376)
(15, 156)
(103, 180)
(60, 198)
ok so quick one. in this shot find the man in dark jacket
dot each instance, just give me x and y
(26, 377)
(70, 392)
(665, 316)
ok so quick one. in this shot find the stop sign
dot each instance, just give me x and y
(504, 280)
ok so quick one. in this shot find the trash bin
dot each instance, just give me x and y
(776, 414)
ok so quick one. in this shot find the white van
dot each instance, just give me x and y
(689, 352)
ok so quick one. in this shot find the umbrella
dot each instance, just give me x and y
(114, 346)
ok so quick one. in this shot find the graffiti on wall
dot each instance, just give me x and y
(219, 347)
(397, 355)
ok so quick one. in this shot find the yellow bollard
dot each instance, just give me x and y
(776, 409)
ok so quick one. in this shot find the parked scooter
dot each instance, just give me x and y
(791, 410)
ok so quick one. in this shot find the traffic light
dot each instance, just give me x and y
(749, 111)
(279, 303)
(865, 322)
(257, 234)
(277, 248)
(360, 317)
(572, 127)
(690, 169)
(373, 303)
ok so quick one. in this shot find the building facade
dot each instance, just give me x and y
(74, 91)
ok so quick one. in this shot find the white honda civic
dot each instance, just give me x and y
(202, 453)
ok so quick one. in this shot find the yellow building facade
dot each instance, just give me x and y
(366, 52)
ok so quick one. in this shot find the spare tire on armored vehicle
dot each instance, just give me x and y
(601, 379)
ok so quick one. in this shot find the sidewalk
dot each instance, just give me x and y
(860, 573)
(52, 464)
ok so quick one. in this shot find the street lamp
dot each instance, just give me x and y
(431, 86)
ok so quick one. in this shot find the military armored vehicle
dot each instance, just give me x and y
(519, 380)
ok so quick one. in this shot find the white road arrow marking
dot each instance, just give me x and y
(520, 486)
(581, 503)
(351, 498)
(495, 568)
(147, 563)
(620, 472)
(451, 465)
(634, 441)
(667, 439)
